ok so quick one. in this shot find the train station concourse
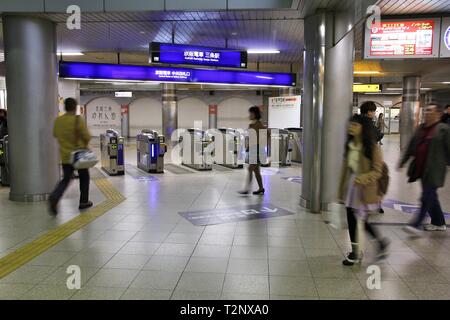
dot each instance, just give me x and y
(209, 151)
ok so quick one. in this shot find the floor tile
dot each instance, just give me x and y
(98, 293)
(340, 289)
(167, 263)
(127, 261)
(292, 286)
(150, 279)
(199, 281)
(146, 294)
(248, 266)
(114, 278)
(214, 265)
(246, 284)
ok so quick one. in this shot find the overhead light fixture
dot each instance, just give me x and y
(394, 89)
(445, 82)
(71, 53)
(367, 72)
(263, 51)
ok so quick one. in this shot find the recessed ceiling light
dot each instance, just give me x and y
(367, 72)
(263, 51)
(71, 53)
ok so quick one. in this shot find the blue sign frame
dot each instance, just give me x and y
(197, 55)
(101, 71)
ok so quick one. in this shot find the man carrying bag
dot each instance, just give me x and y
(73, 138)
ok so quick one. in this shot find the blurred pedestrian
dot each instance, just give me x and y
(3, 123)
(430, 150)
(359, 185)
(72, 134)
(446, 117)
(253, 148)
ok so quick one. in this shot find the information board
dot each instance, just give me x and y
(197, 55)
(400, 39)
(284, 112)
(103, 71)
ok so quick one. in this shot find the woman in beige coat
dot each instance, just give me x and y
(358, 188)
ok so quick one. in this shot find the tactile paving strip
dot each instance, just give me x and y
(33, 249)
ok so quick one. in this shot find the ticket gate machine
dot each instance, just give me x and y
(196, 153)
(4, 162)
(112, 153)
(232, 148)
(297, 145)
(280, 147)
(151, 149)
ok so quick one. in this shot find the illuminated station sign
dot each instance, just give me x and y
(197, 55)
(102, 71)
(366, 88)
(402, 39)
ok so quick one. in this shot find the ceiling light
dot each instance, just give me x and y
(263, 51)
(394, 89)
(445, 82)
(71, 53)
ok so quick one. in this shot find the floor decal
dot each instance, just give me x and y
(295, 179)
(403, 206)
(227, 215)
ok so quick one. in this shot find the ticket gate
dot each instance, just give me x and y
(112, 153)
(297, 144)
(4, 162)
(280, 147)
(232, 149)
(151, 149)
(196, 153)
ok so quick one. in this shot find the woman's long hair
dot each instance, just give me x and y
(367, 134)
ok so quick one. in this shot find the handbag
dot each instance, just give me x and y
(82, 158)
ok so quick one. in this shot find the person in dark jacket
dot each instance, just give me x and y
(430, 148)
(3, 123)
(446, 117)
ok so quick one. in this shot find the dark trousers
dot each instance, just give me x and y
(353, 225)
(64, 183)
(256, 169)
(430, 205)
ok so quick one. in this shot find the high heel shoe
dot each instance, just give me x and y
(259, 192)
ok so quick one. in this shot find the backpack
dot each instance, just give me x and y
(383, 182)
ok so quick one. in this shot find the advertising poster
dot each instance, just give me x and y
(103, 114)
(403, 39)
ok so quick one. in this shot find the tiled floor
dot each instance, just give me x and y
(143, 249)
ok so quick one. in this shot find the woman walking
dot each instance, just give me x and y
(253, 150)
(359, 189)
(381, 125)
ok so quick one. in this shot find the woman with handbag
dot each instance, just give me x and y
(72, 135)
(359, 185)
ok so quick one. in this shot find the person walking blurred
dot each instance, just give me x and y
(430, 150)
(446, 116)
(359, 190)
(72, 134)
(381, 125)
(253, 148)
(3, 123)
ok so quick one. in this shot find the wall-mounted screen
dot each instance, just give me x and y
(101, 71)
(445, 38)
(197, 55)
(403, 39)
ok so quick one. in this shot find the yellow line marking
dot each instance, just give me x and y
(26, 253)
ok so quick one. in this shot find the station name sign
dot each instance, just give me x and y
(197, 55)
(403, 39)
(101, 71)
(366, 88)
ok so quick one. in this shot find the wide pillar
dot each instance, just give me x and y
(410, 111)
(286, 92)
(327, 106)
(32, 86)
(169, 112)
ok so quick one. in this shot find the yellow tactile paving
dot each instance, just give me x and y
(31, 250)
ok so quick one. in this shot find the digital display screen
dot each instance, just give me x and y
(197, 55)
(403, 39)
(100, 71)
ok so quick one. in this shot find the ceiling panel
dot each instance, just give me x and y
(400, 7)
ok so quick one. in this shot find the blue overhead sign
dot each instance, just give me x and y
(101, 71)
(197, 55)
